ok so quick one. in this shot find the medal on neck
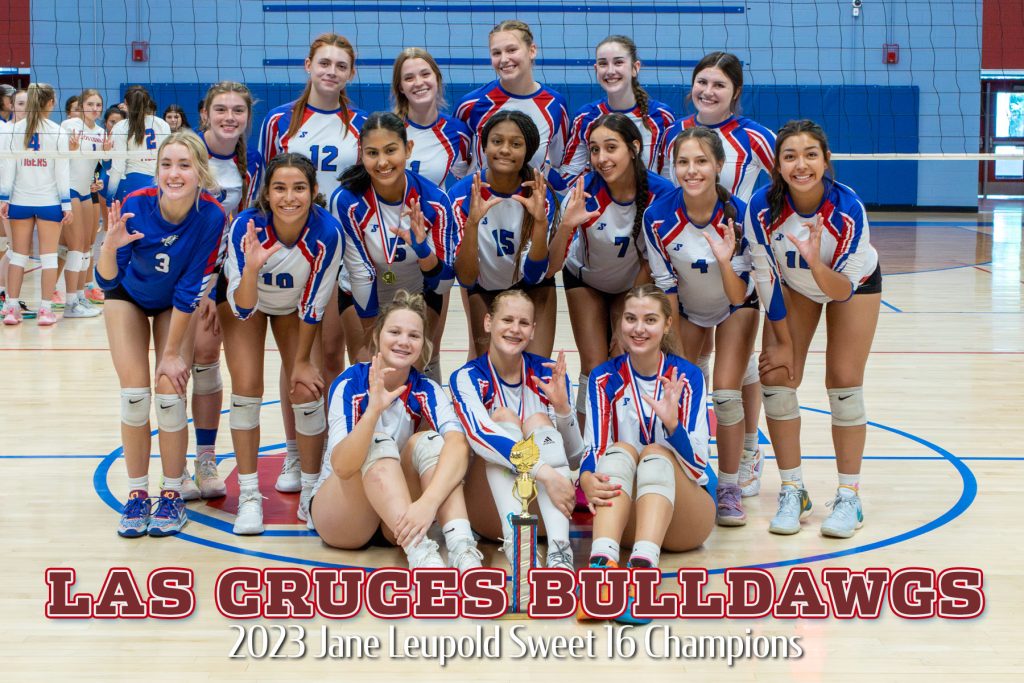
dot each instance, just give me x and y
(388, 247)
(499, 391)
(646, 423)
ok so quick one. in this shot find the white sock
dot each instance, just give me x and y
(849, 484)
(500, 480)
(173, 483)
(45, 304)
(139, 483)
(249, 481)
(456, 530)
(726, 478)
(793, 476)
(309, 480)
(605, 547)
(646, 550)
(750, 442)
(292, 447)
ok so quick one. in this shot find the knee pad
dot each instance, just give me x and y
(654, 475)
(135, 406)
(752, 375)
(16, 259)
(382, 447)
(552, 447)
(704, 363)
(74, 262)
(620, 468)
(780, 403)
(310, 419)
(170, 413)
(728, 406)
(847, 406)
(48, 261)
(427, 452)
(206, 379)
(62, 252)
(581, 394)
(245, 412)
(5, 241)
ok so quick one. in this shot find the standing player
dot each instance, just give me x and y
(140, 131)
(35, 194)
(396, 453)
(600, 239)
(282, 266)
(505, 216)
(814, 232)
(176, 118)
(512, 56)
(692, 244)
(618, 69)
(647, 431)
(161, 250)
(503, 396)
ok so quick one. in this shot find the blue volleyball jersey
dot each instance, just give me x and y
(236, 192)
(372, 249)
(616, 412)
(440, 150)
(576, 160)
(173, 263)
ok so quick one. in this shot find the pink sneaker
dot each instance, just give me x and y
(12, 315)
(58, 299)
(94, 294)
(46, 317)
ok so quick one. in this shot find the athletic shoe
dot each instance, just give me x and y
(751, 468)
(12, 315)
(627, 616)
(559, 556)
(599, 562)
(464, 555)
(730, 506)
(94, 294)
(847, 516)
(135, 516)
(290, 479)
(26, 312)
(58, 300)
(46, 317)
(169, 516)
(249, 519)
(303, 512)
(80, 309)
(425, 555)
(189, 490)
(794, 505)
(208, 478)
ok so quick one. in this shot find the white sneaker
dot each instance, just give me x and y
(560, 556)
(424, 555)
(751, 468)
(847, 516)
(303, 512)
(208, 478)
(794, 506)
(290, 479)
(249, 519)
(80, 310)
(189, 491)
(464, 555)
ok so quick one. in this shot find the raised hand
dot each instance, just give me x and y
(117, 228)
(555, 389)
(478, 206)
(74, 141)
(108, 142)
(810, 248)
(536, 203)
(723, 247)
(575, 213)
(416, 235)
(667, 407)
(256, 255)
(380, 396)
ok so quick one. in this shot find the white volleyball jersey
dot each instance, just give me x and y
(83, 171)
(156, 132)
(231, 183)
(36, 181)
(440, 150)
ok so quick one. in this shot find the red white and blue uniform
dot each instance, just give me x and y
(845, 244)
(328, 138)
(478, 391)
(297, 277)
(35, 187)
(547, 108)
(749, 149)
(128, 175)
(373, 249)
(616, 412)
(652, 127)
(601, 252)
(500, 233)
(423, 404)
(440, 151)
(173, 263)
(682, 262)
(83, 170)
(232, 185)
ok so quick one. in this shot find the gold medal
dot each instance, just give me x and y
(389, 278)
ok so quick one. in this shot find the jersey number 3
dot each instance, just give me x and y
(163, 263)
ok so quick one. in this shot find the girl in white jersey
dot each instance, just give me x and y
(600, 239)
(396, 454)
(692, 244)
(142, 130)
(35, 194)
(814, 232)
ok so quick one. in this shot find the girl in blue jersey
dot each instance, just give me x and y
(618, 69)
(506, 215)
(160, 253)
(35, 194)
(502, 397)
(399, 226)
(647, 443)
(513, 53)
(600, 238)
(396, 452)
(142, 130)
(692, 244)
(811, 250)
(281, 269)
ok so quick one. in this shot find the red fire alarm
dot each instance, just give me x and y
(140, 51)
(891, 52)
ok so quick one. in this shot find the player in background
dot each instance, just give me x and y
(617, 67)
(506, 215)
(141, 130)
(811, 250)
(6, 117)
(176, 118)
(35, 194)
(73, 107)
(513, 53)
(503, 396)
(161, 252)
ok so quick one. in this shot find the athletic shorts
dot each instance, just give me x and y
(132, 182)
(20, 212)
(489, 294)
(432, 299)
(119, 293)
(873, 285)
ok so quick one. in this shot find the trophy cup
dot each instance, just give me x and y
(525, 455)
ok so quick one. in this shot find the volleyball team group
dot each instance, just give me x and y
(344, 233)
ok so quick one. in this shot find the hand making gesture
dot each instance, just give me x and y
(667, 407)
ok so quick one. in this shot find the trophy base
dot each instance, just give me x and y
(524, 558)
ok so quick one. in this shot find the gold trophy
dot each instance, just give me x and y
(525, 455)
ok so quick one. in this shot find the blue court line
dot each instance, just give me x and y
(477, 62)
(931, 224)
(511, 9)
(936, 270)
(889, 305)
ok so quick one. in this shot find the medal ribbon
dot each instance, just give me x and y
(392, 249)
(646, 424)
(499, 392)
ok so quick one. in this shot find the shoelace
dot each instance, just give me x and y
(561, 554)
(789, 496)
(165, 507)
(729, 498)
(467, 549)
(838, 501)
(135, 507)
(289, 465)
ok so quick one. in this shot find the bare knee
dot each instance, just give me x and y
(535, 422)
(506, 416)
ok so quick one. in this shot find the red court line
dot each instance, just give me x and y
(986, 270)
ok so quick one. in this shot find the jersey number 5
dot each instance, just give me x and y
(505, 239)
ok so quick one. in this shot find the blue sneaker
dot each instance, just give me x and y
(627, 616)
(847, 515)
(596, 562)
(794, 505)
(135, 516)
(170, 515)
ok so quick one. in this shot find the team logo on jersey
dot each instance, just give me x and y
(302, 134)
(779, 236)
(169, 240)
(677, 247)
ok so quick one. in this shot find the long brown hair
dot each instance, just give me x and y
(713, 147)
(397, 96)
(403, 301)
(335, 40)
(669, 344)
(39, 96)
(642, 98)
(139, 104)
(778, 190)
(623, 126)
(241, 158)
(730, 65)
